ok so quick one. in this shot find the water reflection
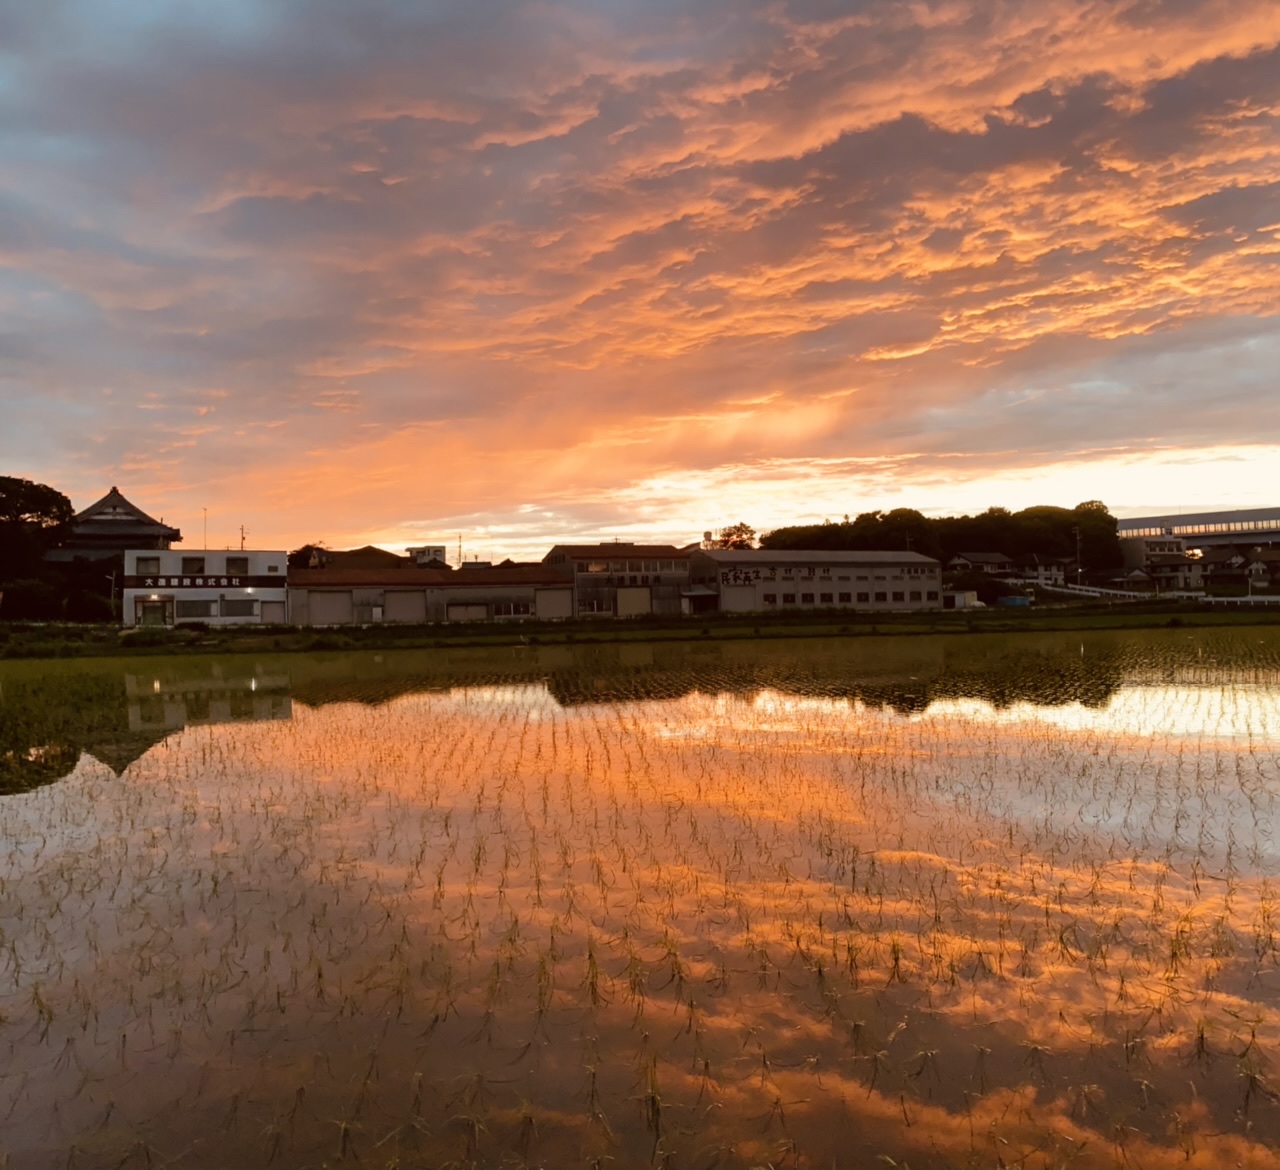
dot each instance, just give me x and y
(769, 918)
(52, 712)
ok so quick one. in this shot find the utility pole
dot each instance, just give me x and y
(1079, 566)
(243, 534)
(206, 526)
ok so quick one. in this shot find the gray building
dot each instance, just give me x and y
(625, 580)
(764, 580)
(340, 596)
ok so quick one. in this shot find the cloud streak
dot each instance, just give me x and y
(453, 263)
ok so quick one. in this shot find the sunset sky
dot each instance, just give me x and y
(391, 272)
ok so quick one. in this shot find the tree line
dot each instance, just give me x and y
(1044, 530)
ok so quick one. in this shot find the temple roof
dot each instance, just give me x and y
(115, 513)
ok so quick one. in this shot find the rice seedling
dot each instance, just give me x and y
(726, 908)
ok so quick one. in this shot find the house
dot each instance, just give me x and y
(1137, 551)
(1041, 570)
(111, 526)
(339, 595)
(997, 564)
(219, 587)
(622, 579)
(1263, 566)
(1174, 571)
(767, 580)
(1224, 565)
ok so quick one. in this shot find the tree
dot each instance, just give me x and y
(35, 506)
(32, 518)
(309, 556)
(738, 535)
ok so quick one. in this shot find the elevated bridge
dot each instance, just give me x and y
(1242, 526)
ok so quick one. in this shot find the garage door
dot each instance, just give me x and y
(330, 609)
(409, 606)
(273, 612)
(467, 612)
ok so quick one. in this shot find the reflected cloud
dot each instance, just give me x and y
(476, 924)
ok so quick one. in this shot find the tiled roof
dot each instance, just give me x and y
(413, 577)
(621, 552)
(754, 556)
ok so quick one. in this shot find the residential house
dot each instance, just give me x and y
(994, 563)
(1041, 570)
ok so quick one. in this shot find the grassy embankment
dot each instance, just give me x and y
(32, 640)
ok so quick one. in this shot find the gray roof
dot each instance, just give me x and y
(791, 556)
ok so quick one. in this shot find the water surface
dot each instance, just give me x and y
(949, 901)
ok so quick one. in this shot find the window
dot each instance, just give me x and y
(192, 565)
(512, 608)
(239, 607)
(595, 605)
(147, 565)
(827, 598)
(846, 598)
(194, 609)
(806, 599)
(771, 599)
(272, 569)
(915, 595)
(882, 597)
(863, 598)
(238, 565)
(788, 599)
(898, 595)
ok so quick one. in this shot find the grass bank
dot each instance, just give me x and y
(48, 640)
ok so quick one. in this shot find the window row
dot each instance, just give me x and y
(881, 596)
(630, 566)
(228, 607)
(198, 566)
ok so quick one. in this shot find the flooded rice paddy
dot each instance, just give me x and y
(917, 902)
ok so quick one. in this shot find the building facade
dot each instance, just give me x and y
(219, 587)
(340, 596)
(625, 580)
(766, 580)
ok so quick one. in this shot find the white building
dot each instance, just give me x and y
(220, 587)
(762, 579)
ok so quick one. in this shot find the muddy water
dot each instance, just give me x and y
(967, 901)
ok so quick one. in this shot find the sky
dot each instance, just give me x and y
(404, 272)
